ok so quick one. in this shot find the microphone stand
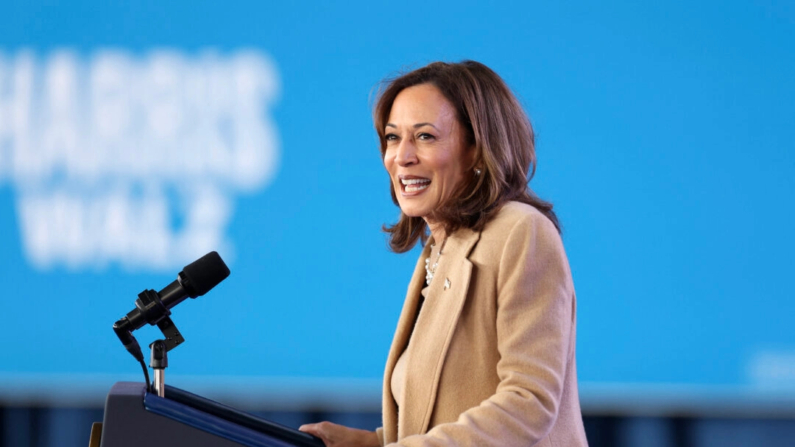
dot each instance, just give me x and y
(154, 312)
(158, 360)
(196, 279)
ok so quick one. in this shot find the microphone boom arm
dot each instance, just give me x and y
(149, 309)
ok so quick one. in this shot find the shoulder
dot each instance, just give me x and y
(526, 249)
(519, 233)
(517, 217)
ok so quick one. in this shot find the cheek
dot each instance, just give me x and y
(452, 169)
(389, 160)
(389, 167)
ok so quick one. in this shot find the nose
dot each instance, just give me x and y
(406, 153)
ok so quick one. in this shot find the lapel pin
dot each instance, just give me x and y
(446, 283)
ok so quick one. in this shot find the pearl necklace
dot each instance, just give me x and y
(430, 270)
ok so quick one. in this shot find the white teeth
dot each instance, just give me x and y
(415, 184)
(414, 181)
(414, 188)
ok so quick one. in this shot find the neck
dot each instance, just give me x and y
(437, 231)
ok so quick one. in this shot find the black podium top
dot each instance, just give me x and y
(185, 400)
(134, 417)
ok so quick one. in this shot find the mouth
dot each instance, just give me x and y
(412, 184)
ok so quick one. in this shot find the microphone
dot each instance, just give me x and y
(196, 279)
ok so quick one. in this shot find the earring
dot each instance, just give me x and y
(477, 171)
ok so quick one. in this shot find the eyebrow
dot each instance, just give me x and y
(416, 126)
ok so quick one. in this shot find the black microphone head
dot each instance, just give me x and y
(200, 276)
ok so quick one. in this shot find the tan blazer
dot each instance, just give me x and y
(491, 358)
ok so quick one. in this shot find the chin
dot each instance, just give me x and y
(412, 211)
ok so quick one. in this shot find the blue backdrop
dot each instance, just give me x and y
(136, 137)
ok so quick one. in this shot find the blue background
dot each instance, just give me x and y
(664, 141)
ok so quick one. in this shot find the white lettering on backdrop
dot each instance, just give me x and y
(133, 159)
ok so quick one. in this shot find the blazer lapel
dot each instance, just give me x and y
(399, 341)
(433, 331)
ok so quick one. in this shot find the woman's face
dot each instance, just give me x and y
(426, 155)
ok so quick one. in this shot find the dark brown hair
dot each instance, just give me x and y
(498, 129)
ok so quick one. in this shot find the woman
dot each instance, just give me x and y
(484, 352)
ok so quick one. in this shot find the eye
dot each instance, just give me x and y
(425, 137)
(390, 137)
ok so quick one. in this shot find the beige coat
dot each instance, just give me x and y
(491, 359)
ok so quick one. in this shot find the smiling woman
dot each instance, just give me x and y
(485, 357)
(426, 155)
(484, 117)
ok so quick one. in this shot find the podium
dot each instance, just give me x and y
(134, 417)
